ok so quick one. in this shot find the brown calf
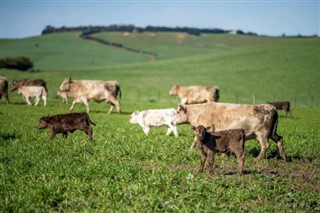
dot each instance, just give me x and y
(64, 123)
(210, 143)
(284, 105)
(28, 82)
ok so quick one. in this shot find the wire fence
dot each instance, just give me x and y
(296, 101)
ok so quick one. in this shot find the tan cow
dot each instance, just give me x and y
(83, 91)
(258, 121)
(195, 94)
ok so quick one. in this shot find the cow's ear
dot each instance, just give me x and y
(70, 80)
(182, 108)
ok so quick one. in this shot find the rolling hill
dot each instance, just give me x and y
(242, 66)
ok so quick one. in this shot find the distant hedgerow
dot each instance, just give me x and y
(20, 63)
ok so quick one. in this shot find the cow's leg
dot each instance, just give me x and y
(146, 129)
(88, 131)
(114, 102)
(278, 139)
(169, 131)
(240, 159)
(65, 134)
(74, 102)
(44, 98)
(53, 134)
(202, 162)
(111, 108)
(175, 131)
(37, 100)
(193, 143)
(211, 161)
(27, 98)
(85, 102)
(264, 146)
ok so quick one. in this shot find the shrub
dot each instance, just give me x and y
(20, 63)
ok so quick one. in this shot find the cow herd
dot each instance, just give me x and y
(218, 127)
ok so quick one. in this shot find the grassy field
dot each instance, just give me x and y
(126, 171)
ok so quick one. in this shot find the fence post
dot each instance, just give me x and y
(295, 100)
(311, 101)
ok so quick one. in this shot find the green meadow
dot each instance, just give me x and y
(126, 171)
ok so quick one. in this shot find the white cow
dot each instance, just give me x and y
(155, 117)
(33, 91)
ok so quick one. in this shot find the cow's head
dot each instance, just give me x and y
(174, 90)
(181, 116)
(14, 86)
(135, 117)
(200, 132)
(43, 123)
(65, 86)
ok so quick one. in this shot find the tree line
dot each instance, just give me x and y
(87, 30)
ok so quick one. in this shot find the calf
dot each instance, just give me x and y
(33, 91)
(284, 105)
(4, 88)
(210, 143)
(155, 117)
(64, 123)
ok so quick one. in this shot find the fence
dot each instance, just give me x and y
(296, 101)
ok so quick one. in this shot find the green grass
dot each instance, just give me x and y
(128, 172)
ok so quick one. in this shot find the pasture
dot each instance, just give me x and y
(126, 171)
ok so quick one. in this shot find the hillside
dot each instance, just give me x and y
(65, 51)
(279, 69)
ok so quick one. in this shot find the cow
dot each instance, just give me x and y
(284, 105)
(33, 91)
(221, 141)
(28, 82)
(4, 89)
(83, 91)
(258, 121)
(155, 117)
(195, 94)
(64, 123)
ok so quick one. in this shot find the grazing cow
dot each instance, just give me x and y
(284, 105)
(210, 143)
(28, 82)
(155, 117)
(258, 121)
(195, 94)
(83, 91)
(4, 88)
(64, 123)
(33, 91)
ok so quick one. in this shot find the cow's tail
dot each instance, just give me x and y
(119, 91)
(88, 118)
(274, 124)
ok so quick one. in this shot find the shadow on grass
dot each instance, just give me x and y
(8, 136)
